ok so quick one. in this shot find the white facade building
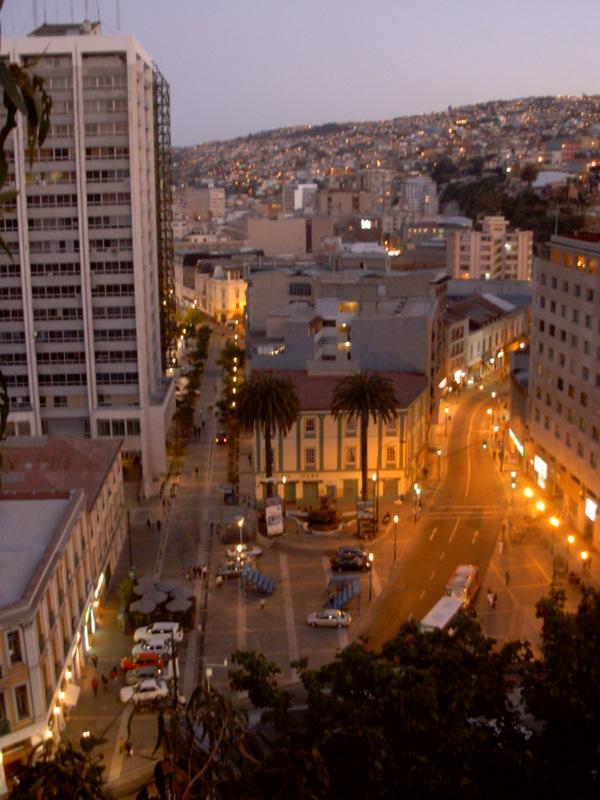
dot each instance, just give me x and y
(494, 253)
(417, 197)
(86, 324)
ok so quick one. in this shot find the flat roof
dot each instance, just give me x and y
(28, 525)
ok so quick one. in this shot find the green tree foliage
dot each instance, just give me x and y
(362, 396)
(60, 773)
(268, 402)
(562, 689)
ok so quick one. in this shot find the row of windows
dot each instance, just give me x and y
(39, 270)
(43, 314)
(11, 270)
(13, 359)
(573, 363)
(61, 358)
(104, 81)
(568, 288)
(102, 105)
(121, 221)
(53, 223)
(59, 336)
(58, 246)
(123, 356)
(570, 442)
(10, 293)
(111, 245)
(52, 292)
(118, 427)
(109, 152)
(350, 456)
(16, 380)
(115, 335)
(12, 337)
(575, 315)
(112, 267)
(51, 178)
(52, 200)
(104, 378)
(106, 175)
(561, 334)
(106, 128)
(53, 154)
(351, 427)
(115, 312)
(76, 379)
(113, 290)
(109, 199)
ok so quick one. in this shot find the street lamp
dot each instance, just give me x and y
(439, 455)
(375, 497)
(284, 481)
(241, 527)
(395, 533)
(540, 505)
(570, 541)
(584, 555)
(371, 558)
(554, 523)
(446, 412)
(528, 492)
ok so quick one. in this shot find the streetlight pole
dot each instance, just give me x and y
(375, 497)
(371, 558)
(446, 412)
(283, 481)
(439, 455)
(241, 527)
(570, 540)
(395, 533)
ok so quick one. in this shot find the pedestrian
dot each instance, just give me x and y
(128, 748)
(104, 682)
(507, 578)
(94, 659)
(114, 673)
(490, 598)
(414, 514)
(95, 685)
(249, 458)
(495, 600)
(203, 424)
(149, 523)
(263, 603)
(500, 546)
(196, 471)
(218, 581)
(204, 571)
(158, 525)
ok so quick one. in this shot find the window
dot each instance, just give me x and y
(103, 427)
(300, 289)
(14, 647)
(390, 455)
(589, 295)
(351, 427)
(133, 427)
(575, 315)
(309, 426)
(310, 457)
(553, 283)
(22, 701)
(543, 279)
(583, 399)
(351, 456)
(391, 427)
(577, 290)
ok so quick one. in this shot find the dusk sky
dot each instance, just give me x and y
(240, 66)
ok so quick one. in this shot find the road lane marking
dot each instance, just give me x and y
(454, 529)
(286, 590)
(432, 534)
(432, 576)
(422, 595)
(475, 535)
(442, 556)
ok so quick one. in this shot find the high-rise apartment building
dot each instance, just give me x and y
(417, 197)
(86, 321)
(564, 377)
(494, 252)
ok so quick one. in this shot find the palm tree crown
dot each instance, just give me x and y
(268, 402)
(361, 396)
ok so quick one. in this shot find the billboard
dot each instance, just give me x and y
(274, 516)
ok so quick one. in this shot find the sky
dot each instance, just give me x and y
(240, 66)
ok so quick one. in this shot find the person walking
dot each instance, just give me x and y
(95, 686)
(104, 682)
(94, 660)
(196, 471)
(507, 578)
(149, 524)
(204, 571)
(490, 598)
(263, 603)
(158, 525)
(114, 674)
(218, 581)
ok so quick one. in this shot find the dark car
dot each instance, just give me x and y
(349, 563)
(221, 437)
(348, 550)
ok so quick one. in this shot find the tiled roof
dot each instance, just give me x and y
(316, 391)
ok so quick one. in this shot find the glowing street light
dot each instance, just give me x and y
(540, 505)
(570, 541)
(584, 556)
(241, 527)
(371, 559)
(395, 533)
(528, 492)
(446, 412)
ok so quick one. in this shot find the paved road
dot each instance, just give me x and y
(461, 525)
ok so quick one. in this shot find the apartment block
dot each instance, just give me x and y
(494, 253)
(87, 320)
(63, 527)
(564, 377)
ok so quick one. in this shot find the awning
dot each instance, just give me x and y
(72, 694)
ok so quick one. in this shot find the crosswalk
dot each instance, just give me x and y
(467, 512)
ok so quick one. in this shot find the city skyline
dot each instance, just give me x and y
(314, 64)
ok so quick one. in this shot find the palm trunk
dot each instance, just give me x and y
(364, 449)
(268, 461)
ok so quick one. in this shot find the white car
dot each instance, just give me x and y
(155, 644)
(158, 629)
(329, 618)
(145, 691)
(244, 551)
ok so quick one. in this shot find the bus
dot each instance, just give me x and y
(441, 615)
(463, 584)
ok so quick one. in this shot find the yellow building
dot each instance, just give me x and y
(58, 549)
(321, 455)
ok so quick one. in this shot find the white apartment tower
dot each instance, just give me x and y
(418, 197)
(494, 253)
(86, 322)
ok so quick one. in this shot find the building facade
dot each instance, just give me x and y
(564, 378)
(494, 253)
(59, 547)
(87, 323)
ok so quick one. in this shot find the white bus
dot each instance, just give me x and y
(464, 583)
(441, 615)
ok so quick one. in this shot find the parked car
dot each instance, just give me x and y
(349, 564)
(221, 437)
(142, 660)
(138, 674)
(329, 618)
(159, 629)
(144, 691)
(348, 550)
(231, 568)
(161, 645)
(244, 550)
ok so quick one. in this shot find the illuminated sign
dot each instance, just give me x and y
(540, 467)
(591, 508)
(516, 442)
(366, 224)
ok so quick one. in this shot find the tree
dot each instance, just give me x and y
(361, 396)
(268, 402)
(529, 173)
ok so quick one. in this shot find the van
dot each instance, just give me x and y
(464, 583)
(441, 615)
(155, 644)
(159, 629)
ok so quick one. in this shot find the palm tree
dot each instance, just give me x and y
(268, 402)
(362, 396)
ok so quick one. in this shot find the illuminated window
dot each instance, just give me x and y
(309, 426)
(348, 307)
(310, 457)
